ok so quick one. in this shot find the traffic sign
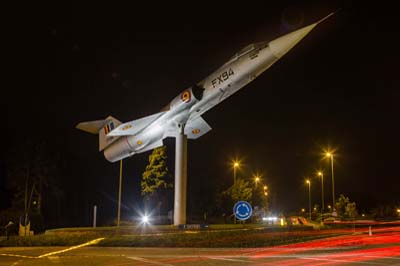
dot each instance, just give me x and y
(242, 210)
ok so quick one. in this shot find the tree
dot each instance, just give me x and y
(345, 208)
(340, 204)
(241, 190)
(154, 178)
(350, 210)
(32, 168)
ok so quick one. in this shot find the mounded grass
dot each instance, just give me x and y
(249, 238)
(168, 236)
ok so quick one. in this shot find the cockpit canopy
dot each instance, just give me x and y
(249, 48)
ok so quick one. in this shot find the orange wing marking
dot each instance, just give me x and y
(196, 131)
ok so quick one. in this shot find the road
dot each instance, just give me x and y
(381, 248)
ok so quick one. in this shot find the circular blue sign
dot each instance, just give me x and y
(242, 210)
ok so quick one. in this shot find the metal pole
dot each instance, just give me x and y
(180, 177)
(309, 199)
(26, 201)
(119, 193)
(94, 216)
(322, 182)
(234, 183)
(26, 218)
(333, 185)
(26, 196)
(234, 175)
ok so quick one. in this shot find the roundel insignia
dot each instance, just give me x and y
(126, 127)
(139, 142)
(185, 96)
(196, 131)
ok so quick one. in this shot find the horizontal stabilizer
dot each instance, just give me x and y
(101, 128)
(135, 126)
(94, 127)
(196, 128)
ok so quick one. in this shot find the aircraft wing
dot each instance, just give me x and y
(135, 126)
(196, 128)
(156, 144)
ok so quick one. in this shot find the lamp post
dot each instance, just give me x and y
(321, 174)
(330, 155)
(257, 179)
(309, 197)
(119, 193)
(266, 198)
(236, 165)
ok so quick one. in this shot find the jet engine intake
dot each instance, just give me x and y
(198, 92)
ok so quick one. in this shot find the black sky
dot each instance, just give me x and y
(338, 87)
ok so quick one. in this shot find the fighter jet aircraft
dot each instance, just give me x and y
(183, 114)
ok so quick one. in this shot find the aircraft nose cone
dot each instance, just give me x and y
(283, 44)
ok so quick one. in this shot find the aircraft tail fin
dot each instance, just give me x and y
(101, 128)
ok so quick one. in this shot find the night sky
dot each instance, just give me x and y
(339, 87)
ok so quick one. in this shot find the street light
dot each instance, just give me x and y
(330, 155)
(266, 201)
(145, 219)
(309, 196)
(321, 174)
(236, 164)
(257, 179)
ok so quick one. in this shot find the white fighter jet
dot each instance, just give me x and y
(183, 114)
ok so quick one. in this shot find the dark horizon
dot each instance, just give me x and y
(337, 88)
